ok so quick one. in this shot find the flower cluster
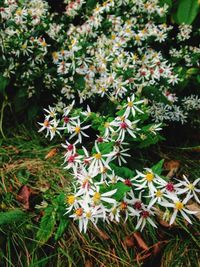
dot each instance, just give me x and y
(103, 190)
(105, 55)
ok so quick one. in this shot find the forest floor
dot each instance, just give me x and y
(32, 180)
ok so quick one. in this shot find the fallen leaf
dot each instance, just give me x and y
(140, 241)
(103, 235)
(88, 263)
(172, 166)
(129, 241)
(24, 195)
(51, 153)
(194, 207)
(140, 258)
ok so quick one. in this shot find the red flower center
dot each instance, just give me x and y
(100, 139)
(70, 147)
(145, 214)
(71, 159)
(170, 187)
(123, 125)
(128, 182)
(66, 119)
(137, 205)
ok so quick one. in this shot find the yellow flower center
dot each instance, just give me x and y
(53, 129)
(130, 104)
(77, 129)
(98, 156)
(123, 205)
(46, 123)
(79, 212)
(107, 124)
(19, 12)
(43, 44)
(149, 177)
(88, 214)
(71, 199)
(55, 55)
(24, 46)
(96, 197)
(179, 205)
(137, 38)
(159, 193)
(190, 186)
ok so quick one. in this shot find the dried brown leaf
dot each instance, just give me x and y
(129, 241)
(194, 207)
(51, 153)
(172, 166)
(140, 241)
(103, 235)
(24, 195)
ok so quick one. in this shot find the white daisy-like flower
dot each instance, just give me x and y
(131, 106)
(178, 206)
(189, 188)
(77, 130)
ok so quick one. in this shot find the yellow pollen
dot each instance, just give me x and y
(46, 123)
(55, 55)
(179, 205)
(19, 12)
(77, 129)
(24, 46)
(137, 38)
(79, 212)
(88, 214)
(53, 129)
(149, 177)
(123, 205)
(43, 44)
(97, 197)
(130, 104)
(159, 193)
(71, 199)
(98, 156)
(107, 124)
(190, 186)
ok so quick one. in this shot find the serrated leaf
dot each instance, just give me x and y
(46, 225)
(187, 11)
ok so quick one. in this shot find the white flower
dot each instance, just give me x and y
(189, 188)
(178, 206)
(144, 217)
(98, 163)
(77, 130)
(98, 197)
(131, 106)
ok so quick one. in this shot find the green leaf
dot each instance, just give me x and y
(64, 222)
(121, 190)
(3, 83)
(12, 216)
(104, 148)
(46, 225)
(123, 172)
(168, 2)
(187, 11)
(158, 167)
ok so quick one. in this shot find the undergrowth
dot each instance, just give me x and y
(28, 240)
